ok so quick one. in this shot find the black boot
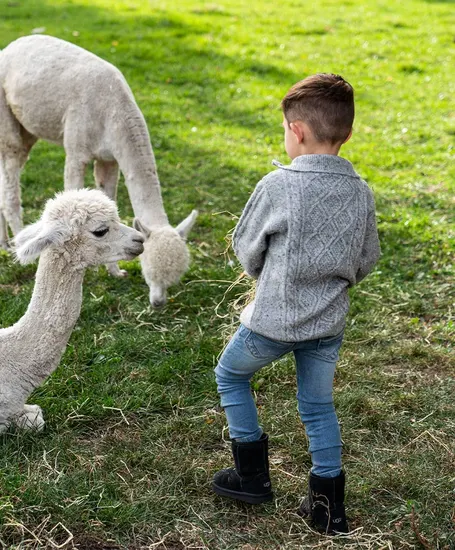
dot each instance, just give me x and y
(249, 481)
(325, 504)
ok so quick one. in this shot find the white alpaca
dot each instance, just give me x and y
(53, 90)
(78, 229)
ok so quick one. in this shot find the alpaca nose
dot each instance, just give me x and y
(157, 304)
(139, 239)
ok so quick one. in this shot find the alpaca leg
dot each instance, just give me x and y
(11, 163)
(74, 172)
(3, 230)
(76, 141)
(8, 132)
(31, 418)
(106, 178)
(15, 145)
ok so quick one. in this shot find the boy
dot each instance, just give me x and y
(307, 233)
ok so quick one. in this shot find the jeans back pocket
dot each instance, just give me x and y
(262, 347)
(329, 348)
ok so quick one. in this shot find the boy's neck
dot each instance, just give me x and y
(317, 149)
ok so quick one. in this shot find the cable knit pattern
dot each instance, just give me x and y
(307, 233)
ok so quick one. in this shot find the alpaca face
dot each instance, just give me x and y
(105, 240)
(165, 258)
(82, 226)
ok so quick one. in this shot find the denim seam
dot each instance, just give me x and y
(326, 358)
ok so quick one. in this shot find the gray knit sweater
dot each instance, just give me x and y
(307, 233)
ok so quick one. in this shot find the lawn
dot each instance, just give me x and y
(134, 428)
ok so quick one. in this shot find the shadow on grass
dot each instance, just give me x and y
(174, 60)
(186, 75)
(167, 52)
(183, 77)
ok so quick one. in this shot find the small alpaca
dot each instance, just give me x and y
(53, 90)
(77, 229)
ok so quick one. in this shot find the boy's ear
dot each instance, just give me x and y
(349, 136)
(297, 130)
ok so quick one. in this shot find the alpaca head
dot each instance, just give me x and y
(165, 258)
(82, 226)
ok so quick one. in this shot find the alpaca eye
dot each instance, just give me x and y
(100, 232)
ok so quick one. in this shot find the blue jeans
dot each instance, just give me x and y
(247, 353)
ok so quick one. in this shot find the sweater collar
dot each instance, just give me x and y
(319, 163)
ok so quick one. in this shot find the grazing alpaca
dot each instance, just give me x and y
(53, 90)
(78, 229)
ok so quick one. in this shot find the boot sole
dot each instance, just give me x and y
(331, 533)
(250, 498)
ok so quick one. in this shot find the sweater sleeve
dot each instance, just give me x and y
(257, 222)
(371, 249)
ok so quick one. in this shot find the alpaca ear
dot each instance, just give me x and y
(184, 227)
(139, 226)
(27, 233)
(35, 238)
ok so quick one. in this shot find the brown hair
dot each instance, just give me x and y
(325, 102)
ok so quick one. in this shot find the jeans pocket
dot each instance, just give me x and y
(264, 348)
(332, 339)
(329, 348)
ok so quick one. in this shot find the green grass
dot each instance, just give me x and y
(134, 429)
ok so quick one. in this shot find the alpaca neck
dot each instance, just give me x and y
(137, 163)
(53, 311)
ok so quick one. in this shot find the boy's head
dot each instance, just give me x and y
(325, 104)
